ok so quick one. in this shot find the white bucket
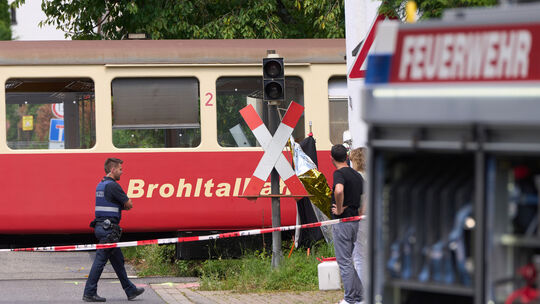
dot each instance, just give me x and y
(329, 278)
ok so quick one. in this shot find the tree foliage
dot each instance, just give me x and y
(37, 138)
(428, 9)
(196, 19)
(5, 21)
(214, 19)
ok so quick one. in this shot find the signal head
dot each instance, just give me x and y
(273, 79)
(273, 89)
(273, 68)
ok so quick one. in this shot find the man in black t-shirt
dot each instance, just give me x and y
(346, 197)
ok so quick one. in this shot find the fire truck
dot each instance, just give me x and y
(453, 114)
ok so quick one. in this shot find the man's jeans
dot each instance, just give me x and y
(117, 261)
(344, 238)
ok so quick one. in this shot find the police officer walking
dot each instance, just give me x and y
(110, 200)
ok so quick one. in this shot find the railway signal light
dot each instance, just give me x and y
(273, 79)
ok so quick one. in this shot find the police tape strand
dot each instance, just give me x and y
(184, 239)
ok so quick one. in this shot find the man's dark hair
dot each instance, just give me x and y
(112, 162)
(339, 153)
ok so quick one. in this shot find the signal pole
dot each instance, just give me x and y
(273, 93)
(276, 204)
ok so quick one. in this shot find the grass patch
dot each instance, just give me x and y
(159, 260)
(251, 273)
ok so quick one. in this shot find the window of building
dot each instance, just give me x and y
(234, 93)
(44, 113)
(338, 99)
(156, 112)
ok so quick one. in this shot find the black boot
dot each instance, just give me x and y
(137, 293)
(94, 298)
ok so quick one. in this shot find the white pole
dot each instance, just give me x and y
(359, 16)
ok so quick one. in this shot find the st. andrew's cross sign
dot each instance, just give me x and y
(273, 150)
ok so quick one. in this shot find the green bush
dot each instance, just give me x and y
(251, 273)
(254, 273)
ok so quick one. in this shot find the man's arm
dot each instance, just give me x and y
(339, 196)
(121, 197)
(128, 204)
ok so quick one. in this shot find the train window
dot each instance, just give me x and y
(50, 113)
(156, 112)
(234, 93)
(338, 97)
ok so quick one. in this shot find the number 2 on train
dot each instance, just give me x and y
(208, 102)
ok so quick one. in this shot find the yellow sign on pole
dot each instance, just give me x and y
(28, 123)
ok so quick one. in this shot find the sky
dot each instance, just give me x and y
(27, 28)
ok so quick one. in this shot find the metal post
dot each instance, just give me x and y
(274, 178)
(480, 235)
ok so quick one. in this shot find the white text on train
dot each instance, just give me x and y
(139, 188)
(466, 56)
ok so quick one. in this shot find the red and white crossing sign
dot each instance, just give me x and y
(358, 69)
(58, 109)
(273, 150)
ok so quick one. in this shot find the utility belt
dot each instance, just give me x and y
(115, 232)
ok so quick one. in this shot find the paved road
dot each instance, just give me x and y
(59, 277)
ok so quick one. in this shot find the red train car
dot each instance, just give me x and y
(169, 109)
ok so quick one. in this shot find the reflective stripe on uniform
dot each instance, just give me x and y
(107, 209)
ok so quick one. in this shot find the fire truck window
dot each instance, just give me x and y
(156, 112)
(337, 97)
(234, 93)
(50, 113)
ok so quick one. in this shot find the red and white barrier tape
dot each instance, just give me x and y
(184, 239)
